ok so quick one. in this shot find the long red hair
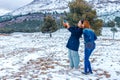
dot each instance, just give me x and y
(86, 24)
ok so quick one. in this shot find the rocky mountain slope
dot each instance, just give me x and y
(106, 9)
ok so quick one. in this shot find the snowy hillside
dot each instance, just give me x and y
(4, 11)
(36, 56)
(106, 9)
(43, 6)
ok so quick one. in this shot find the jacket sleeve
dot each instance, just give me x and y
(75, 30)
(71, 29)
(95, 37)
(86, 36)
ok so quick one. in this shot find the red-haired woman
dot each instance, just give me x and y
(89, 41)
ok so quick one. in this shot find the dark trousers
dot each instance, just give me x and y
(87, 64)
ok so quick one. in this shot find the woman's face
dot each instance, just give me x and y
(80, 25)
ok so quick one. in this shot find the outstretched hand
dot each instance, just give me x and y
(66, 24)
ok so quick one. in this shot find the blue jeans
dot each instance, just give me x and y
(74, 59)
(87, 64)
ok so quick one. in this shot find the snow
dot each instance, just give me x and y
(3, 11)
(43, 6)
(108, 11)
(105, 10)
(62, 5)
(36, 56)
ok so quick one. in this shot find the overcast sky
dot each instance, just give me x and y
(13, 4)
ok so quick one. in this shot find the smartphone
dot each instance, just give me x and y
(65, 21)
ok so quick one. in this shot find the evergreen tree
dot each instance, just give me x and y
(110, 23)
(49, 25)
(114, 30)
(118, 24)
(80, 9)
(117, 20)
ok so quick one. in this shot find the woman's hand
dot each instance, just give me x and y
(66, 25)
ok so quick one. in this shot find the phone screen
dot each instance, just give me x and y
(65, 21)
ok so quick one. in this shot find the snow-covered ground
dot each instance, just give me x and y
(36, 56)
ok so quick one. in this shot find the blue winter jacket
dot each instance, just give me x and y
(89, 38)
(73, 42)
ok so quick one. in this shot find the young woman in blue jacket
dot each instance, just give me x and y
(73, 44)
(89, 41)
